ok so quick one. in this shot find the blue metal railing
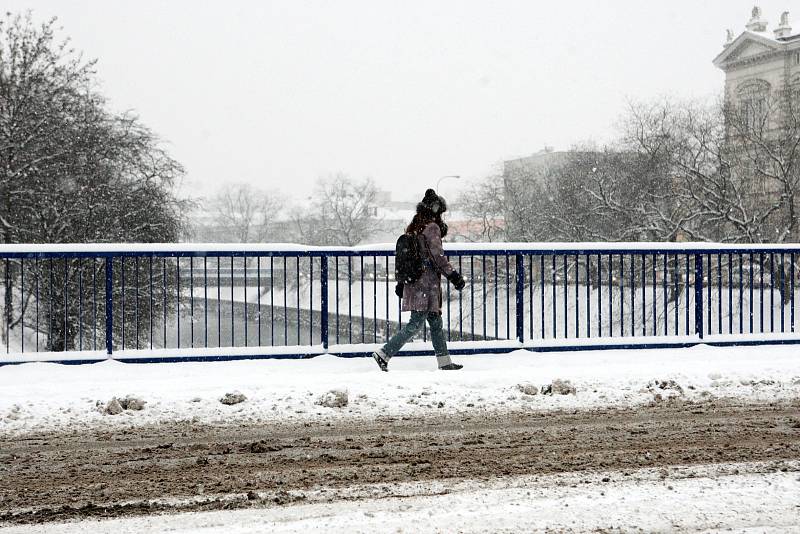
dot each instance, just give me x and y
(194, 302)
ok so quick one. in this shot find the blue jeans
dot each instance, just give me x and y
(411, 328)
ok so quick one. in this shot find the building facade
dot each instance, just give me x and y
(762, 122)
(762, 70)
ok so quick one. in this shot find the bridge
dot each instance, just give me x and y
(184, 302)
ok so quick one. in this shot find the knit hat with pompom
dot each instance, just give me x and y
(433, 203)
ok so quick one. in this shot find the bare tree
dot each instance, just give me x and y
(525, 196)
(342, 211)
(681, 170)
(245, 214)
(763, 154)
(733, 172)
(607, 195)
(483, 203)
(587, 194)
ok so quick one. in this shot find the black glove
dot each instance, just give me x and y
(457, 280)
(398, 289)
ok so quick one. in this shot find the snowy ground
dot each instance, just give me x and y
(754, 497)
(41, 396)
(738, 497)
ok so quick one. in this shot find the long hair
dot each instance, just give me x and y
(422, 219)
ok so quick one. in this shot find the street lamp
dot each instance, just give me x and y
(455, 176)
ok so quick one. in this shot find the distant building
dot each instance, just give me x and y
(392, 217)
(762, 97)
(395, 215)
(539, 164)
(761, 66)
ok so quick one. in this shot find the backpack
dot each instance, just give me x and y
(408, 264)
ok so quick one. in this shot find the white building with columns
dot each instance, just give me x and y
(760, 64)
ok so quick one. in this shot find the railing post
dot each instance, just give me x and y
(520, 292)
(698, 295)
(109, 305)
(323, 261)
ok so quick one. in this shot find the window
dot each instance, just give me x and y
(752, 103)
(794, 97)
(797, 58)
(794, 83)
(753, 113)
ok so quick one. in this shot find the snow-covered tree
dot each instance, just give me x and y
(734, 175)
(70, 169)
(587, 194)
(689, 170)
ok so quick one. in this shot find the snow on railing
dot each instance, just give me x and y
(164, 302)
(115, 249)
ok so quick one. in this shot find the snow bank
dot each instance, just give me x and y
(44, 396)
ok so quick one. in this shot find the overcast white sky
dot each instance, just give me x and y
(281, 93)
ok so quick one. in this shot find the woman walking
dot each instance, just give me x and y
(423, 297)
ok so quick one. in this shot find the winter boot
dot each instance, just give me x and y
(379, 359)
(451, 367)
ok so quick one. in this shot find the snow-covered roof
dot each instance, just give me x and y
(739, 44)
(764, 39)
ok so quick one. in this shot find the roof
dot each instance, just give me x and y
(746, 39)
(538, 160)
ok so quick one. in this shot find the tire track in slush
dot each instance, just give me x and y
(184, 466)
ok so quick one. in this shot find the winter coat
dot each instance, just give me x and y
(426, 293)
